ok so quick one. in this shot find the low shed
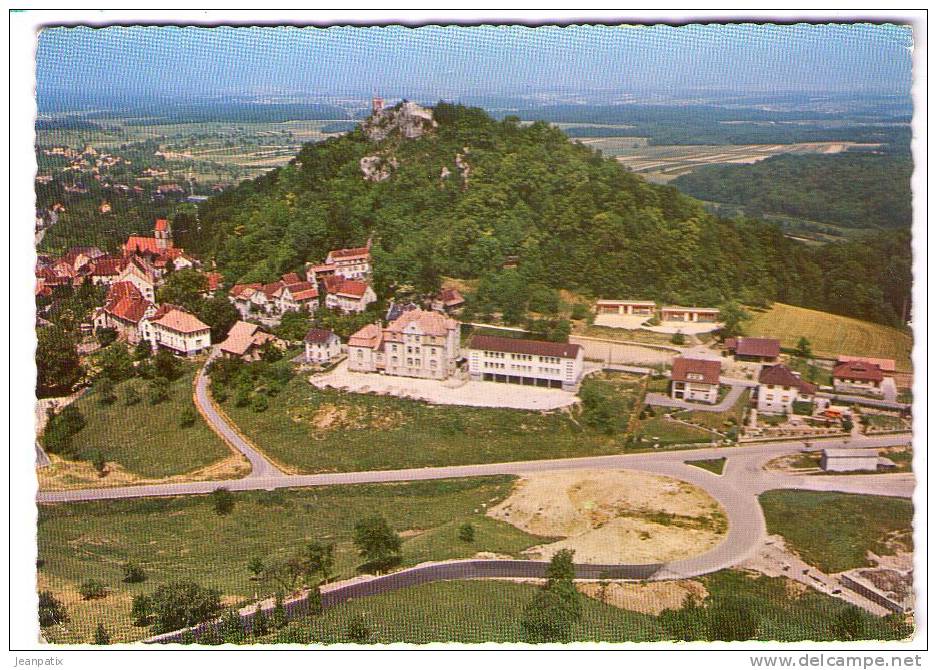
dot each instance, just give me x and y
(849, 460)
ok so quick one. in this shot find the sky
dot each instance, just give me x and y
(440, 61)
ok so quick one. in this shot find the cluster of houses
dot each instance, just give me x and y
(781, 390)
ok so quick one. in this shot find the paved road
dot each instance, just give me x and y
(261, 468)
(863, 400)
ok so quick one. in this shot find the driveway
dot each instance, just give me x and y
(735, 392)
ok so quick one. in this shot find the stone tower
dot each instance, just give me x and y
(377, 104)
(163, 234)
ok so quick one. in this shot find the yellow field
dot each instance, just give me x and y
(831, 334)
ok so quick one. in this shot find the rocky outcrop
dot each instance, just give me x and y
(408, 120)
(377, 168)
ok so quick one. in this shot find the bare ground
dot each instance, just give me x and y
(647, 598)
(618, 516)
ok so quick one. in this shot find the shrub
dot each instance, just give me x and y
(99, 462)
(101, 636)
(51, 610)
(678, 338)
(158, 390)
(134, 573)
(104, 390)
(180, 604)
(467, 532)
(259, 403)
(131, 395)
(105, 336)
(60, 428)
(91, 589)
(358, 630)
(141, 609)
(222, 501)
(187, 417)
(580, 312)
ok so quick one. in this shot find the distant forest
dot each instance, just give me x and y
(851, 190)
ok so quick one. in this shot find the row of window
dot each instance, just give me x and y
(523, 357)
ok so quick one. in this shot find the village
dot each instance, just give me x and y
(418, 348)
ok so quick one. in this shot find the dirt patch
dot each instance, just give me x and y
(330, 417)
(648, 598)
(413, 532)
(618, 516)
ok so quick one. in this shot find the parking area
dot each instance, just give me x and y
(448, 392)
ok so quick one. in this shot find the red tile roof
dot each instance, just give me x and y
(781, 375)
(370, 336)
(162, 225)
(123, 289)
(516, 346)
(319, 336)
(450, 297)
(214, 280)
(350, 254)
(238, 289)
(884, 364)
(754, 346)
(180, 321)
(858, 371)
(107, 267)
(290, 278)
(351, 288)
(707, 370)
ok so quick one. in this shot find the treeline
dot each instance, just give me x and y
(568, 217)
(852, 190)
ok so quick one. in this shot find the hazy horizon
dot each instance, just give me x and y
(178, 63)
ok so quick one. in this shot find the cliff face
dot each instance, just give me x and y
(408, 119)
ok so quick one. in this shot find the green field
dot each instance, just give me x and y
(830, 334)
(312, 430)
(473, 612)
(721, 421)
(862, 523)
(714, 465)
(145, 439)
(671, 432)
(183, 538)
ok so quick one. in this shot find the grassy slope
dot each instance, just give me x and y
(147, 439)
(482, 611)
(831, 334)
(182, 538)
(714, 465)
(862, 524)
(377, 432)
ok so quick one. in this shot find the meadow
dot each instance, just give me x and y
(830, 334)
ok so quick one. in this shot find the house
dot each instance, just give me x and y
(352, 263)
(241, 296)
(395, 309)
(246, 340)
(695, 379)
(141, 274)
(348, 295)
(159, 250)
(526, 362)
(322, 345)
(298, 296)
(629, 307)
(756, 349)
(689, 314)
(858, 376)
(779, 388)
(127, 311)
(106, 270)
(213, 280)
(317, 273)
(179, 331)
(448, 300)
(419, 343)
(266, 299)
(886, 365)
(851, 460)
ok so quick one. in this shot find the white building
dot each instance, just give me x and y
(779, 388)
(695, 379)
(349, 296)
(179, 331)
(322, 345)
(418, 344)
(526, 362)
(850, 460)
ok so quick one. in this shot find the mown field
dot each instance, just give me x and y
(830, 334)
(184, 539)
(863, 523)
(320, 430)
(146, 440)
(472, 612)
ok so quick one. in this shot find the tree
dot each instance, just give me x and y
(142, 351)
(231, 628)
(260, 626)
(131, 395)
(157, 390)
(319, 559)
(104, 390)
(101, 636)
(187, 417)
(184, 288)
(219, 314)
(60, 428)
(91, 589)
(134, 573)
(259, 402)
(377, 541)
(105, 336)
(183, 603)
(99, 462)
(222, 501)
(678, 339)
(141, 609)
(256, 567)
(293, 326)
(58, 367)
(556, 608)
(115, 362)
(580, 312)
(467, 532)
(358, 630)
(732, 315)
(51, 610)
(804, 349)
(560, 568)
(167, 365)
(278, 616)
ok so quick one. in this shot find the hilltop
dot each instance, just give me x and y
(457, 193)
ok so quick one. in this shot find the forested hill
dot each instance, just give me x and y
(473, 191)
(852, 190)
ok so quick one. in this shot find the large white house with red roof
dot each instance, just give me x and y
(179, 331)
(779, 388)
(352, 263)
(858, 376)
(695, 379)
(349, 296)
(127, 311)
(419, 343)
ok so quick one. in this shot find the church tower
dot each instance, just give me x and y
(163, 234)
